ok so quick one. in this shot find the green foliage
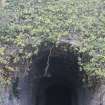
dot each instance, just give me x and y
(26, 24)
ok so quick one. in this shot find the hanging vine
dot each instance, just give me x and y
(46, 74)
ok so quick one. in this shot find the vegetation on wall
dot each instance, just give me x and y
(25, 24)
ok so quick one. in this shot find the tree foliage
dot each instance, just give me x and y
(25, 24)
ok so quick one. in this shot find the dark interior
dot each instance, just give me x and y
(58, 94)
(65, 78)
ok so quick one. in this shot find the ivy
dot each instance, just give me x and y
(26, 24)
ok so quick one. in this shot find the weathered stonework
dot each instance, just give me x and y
(60, 86)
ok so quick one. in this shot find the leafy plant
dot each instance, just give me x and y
(26, 24)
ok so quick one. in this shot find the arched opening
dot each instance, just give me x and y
(58, 94)
(61, 87)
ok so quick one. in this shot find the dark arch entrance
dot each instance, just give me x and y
(63, 78)
(58, 94)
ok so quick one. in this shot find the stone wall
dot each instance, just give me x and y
(63, 73)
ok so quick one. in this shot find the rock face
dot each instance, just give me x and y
(56, 79)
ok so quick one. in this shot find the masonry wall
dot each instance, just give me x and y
(63, 74)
